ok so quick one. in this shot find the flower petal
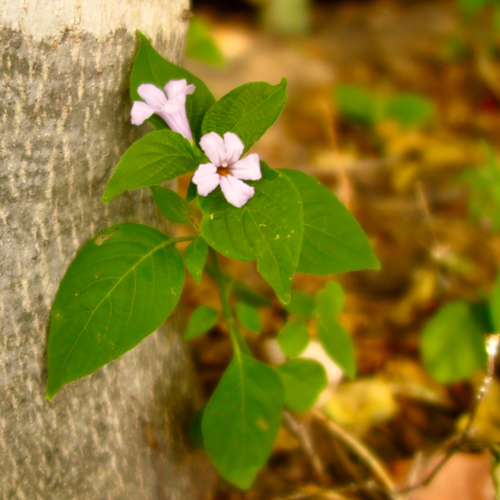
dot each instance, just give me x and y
(206, 178)
(140, 111)
(247, 168)
(235, 191)
(213, 146)
(174, 113)
(178, 89)
(234, 147)
(153, 96)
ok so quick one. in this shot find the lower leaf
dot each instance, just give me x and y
(120, 287)
(242, 419)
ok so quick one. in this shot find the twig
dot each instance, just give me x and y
(362, 451)
(427, 211)
(342, 454)
(486, 71)
(492, 344)
(302, 434)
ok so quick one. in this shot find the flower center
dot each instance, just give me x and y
(223, 169)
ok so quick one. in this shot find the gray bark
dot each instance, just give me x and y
(64, 122)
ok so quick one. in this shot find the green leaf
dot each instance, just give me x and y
(495, 306)
(452, 343)
(248, 316)
(201, 45)
(195, 257)
(242, 419)
(151, 67)
(171, 205)
(333, 240)
(248, 111)
(192, 191)
(248, 295)
(355, 103)
(240, 290)
(409, 110)
(268, 228)
(304, 380)
(301, 304)
(293, 338)
(331, 298)
(338, 344)
(121, 287)
(334, 338)
(484, 183)
(201, 321)
(194, 431)
(158, 157)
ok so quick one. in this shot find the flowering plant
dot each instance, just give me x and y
(126, 281)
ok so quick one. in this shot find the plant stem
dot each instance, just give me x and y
(237, 339)
(361, 450)
(183, 238)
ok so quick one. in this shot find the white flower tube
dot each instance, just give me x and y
(170, 104)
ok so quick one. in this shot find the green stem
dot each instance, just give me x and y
(237, 339)
(183, 238)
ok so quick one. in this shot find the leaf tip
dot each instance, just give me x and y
(108, 195)
(50, 391)
(285, 298)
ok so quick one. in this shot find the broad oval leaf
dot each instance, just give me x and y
(293, 338)
(269, 228)
(242, 419)
(248, 316)
(171, 205)
(195, 257)
(303, 380)
(120, 287)
(157, 157)
(334, 338)
(331, 298)
(301, 304)
(248, 111)
(337, 343)
(151, 67)
(452, 343)
(333, 240)
(201, 321)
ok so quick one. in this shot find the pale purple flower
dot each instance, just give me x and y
(226, 168)
(171, 107)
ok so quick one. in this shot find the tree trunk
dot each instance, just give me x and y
(64, 108)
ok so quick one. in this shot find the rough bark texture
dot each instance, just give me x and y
(64, 122)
